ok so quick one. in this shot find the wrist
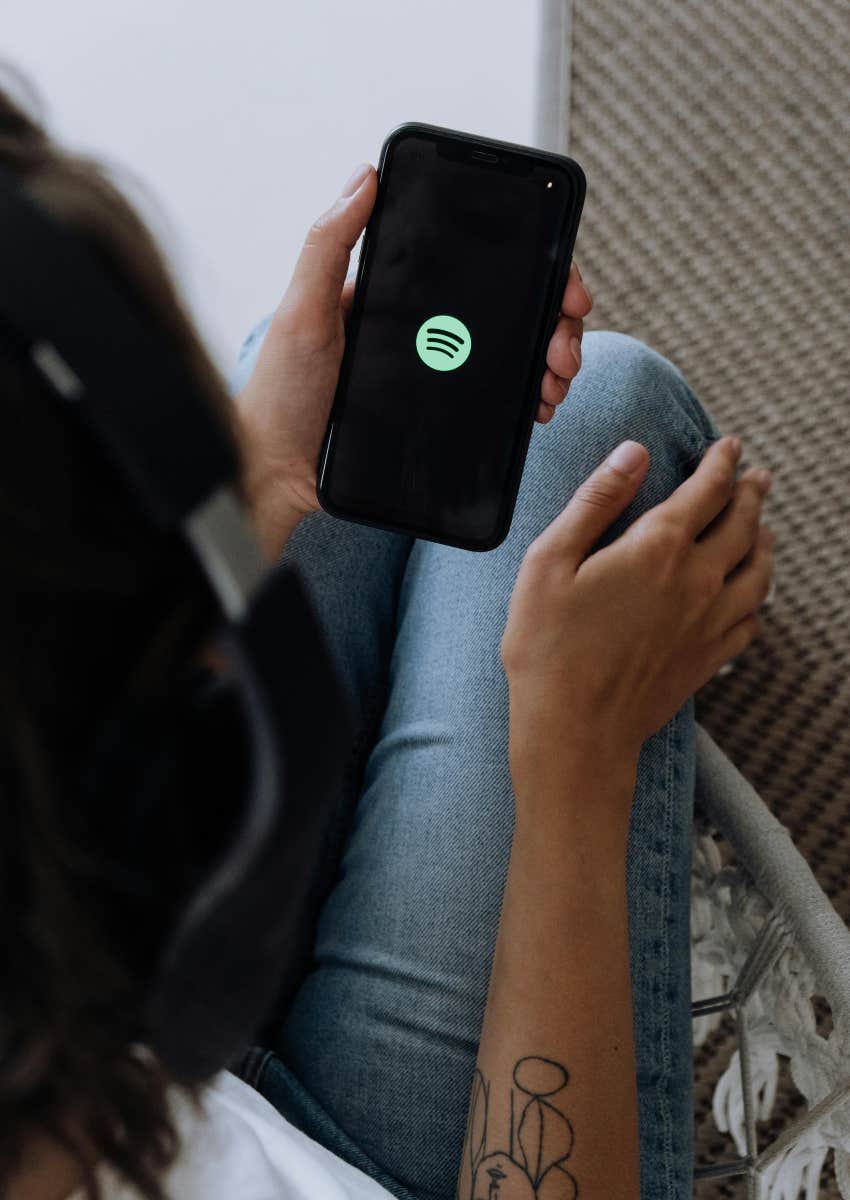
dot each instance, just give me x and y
(275, 519)
(277, 497)
(579, 791)
(584, 865)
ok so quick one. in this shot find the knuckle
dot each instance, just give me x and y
(292, 318)
(301, 326)
(599, 492)
(707, 580)
(514, 664)
(666, 538)
(750, 504)
(316, 232)
(515, 645)
(750, 629)
(320, 226)
(718, 479)
(765, 580)
(507, 651)
(538, 555)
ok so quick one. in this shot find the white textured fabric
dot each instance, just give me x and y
(729, 913)
(240, 1146)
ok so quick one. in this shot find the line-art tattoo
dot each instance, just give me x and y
(541, 1139)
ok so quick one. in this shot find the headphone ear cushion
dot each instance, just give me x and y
(225, 812)
(220, 971)
(160, 796)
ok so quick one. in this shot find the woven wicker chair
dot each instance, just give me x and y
(765, 941)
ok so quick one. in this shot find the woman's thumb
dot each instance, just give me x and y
(598, 502)
(320, 271)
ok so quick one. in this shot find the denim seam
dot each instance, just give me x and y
(664, 1091)
(692, 458)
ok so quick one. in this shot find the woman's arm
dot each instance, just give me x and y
(600, 650)
(554, 1093)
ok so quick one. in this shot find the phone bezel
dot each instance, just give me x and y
(519, 155)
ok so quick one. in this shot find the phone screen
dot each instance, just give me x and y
(435, 407)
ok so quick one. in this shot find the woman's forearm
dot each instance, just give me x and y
(555, 1088)
(277, 498)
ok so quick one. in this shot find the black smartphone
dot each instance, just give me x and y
(462, 268)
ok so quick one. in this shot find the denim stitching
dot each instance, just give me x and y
(664, 1100)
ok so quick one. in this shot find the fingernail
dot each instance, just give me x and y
(764, 479)
(627, 457)
(583, 284)
(575, 346)
(354, 181)
(736, 445)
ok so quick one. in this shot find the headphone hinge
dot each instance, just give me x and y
(223, 538)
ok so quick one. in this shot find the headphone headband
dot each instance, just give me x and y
(52, 285)
(236, 943)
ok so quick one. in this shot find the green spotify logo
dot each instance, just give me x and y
(443, 343)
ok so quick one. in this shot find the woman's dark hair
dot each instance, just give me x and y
(95, 606)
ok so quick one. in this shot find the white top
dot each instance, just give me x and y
(241, 1146)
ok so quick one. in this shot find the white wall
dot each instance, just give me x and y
(245, 119)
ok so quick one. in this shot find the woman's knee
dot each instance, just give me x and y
(641, 389)
(624, 390)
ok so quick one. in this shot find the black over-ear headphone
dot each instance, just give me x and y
(241, 939)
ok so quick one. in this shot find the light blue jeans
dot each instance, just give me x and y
(375, 1057)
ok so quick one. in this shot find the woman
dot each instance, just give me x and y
(525, 747)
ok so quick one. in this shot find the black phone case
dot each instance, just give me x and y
(545, 333)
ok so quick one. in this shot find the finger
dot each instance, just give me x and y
(747, 588)
(316, 288)
(576, 301)
(733, 643)
(703, 495)
(731, 535)
(595, 505)
(545, 412)
(563, 355)
(347, 298)
(552, 389)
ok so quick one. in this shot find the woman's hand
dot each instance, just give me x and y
(563, 357)
(601, 649)
(284, 407)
